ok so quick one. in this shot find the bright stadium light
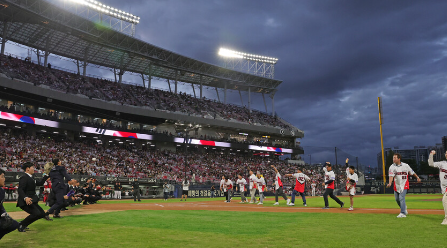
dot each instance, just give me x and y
(234, 54)
(109, 10)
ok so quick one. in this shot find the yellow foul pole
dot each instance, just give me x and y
(381, 140)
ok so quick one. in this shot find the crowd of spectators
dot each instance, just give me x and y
(87, 157)
(109, 90)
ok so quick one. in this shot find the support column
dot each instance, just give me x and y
(217, 92)
(201, 87)
(249, 99)
(4, 37)
(84, 64)
(142, 77)
(176, 79)
(120, 76)
(47, 52)
(38, 56)
(77, 65)
(149, 82)
(169, 84)
(265, 104)
(242, 102)
(114, 73)
(273, 104)
(194, 90)
(225, 93)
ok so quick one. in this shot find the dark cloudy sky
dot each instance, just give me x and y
(335, 58)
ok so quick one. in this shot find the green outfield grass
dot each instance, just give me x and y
(370, 201)
(232, 229)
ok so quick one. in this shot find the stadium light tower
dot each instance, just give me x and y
(106, 15)
(254, 64)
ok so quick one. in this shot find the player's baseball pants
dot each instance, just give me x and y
(313, 192)
(400, 199)
(252, 194)
(280, 192)
(330, 192)
(444, 203)
(117, 194)
(303, 196)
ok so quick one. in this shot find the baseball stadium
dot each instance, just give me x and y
(88, 160)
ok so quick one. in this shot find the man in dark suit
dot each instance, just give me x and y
(57, 175)
(7, 224)
(27, 199)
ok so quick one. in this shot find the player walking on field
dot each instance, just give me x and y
(241, 182)
(352, 182)
(442, 166)
(260, 181)
(252, 180)
(301, 179)
(329, 184)
(279, 188)
(399, 172)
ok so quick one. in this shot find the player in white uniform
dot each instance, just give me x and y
(222, 188)
(442, 166)
(314, 186)
(352, 180)
(300, 183)
(252, 180)
(329, 184)
(241, 182)
(279, 188)
(260, 181)
(228, 186)
(400, 172)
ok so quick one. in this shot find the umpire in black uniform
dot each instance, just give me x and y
(57, 175)
(27, 199)
(136, 190)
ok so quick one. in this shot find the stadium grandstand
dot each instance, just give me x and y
(133, 130)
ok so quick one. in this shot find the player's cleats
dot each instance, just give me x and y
(342, 204)
(260, 203)
(444, 222)
(406, 212)
(351, 209)
(304, 204)
(241, 202)
(291, 204)
(251, 202)
(276, 204)
(288, 201)
(325, 208)
(401, 215)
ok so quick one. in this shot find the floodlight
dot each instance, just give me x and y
(234, 54)
(108, 10)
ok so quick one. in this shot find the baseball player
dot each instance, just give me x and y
(301, 179)
(241, 182)
(223, 189)
(314, 186)
(279, 188)
(347, 174)
(352, 180)
(442, 166)
(399, 172)
(260, 181)
(252, 180)
(329, 185)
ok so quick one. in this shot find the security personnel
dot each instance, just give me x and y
(136, 190)
(57, 175)
(27, 199)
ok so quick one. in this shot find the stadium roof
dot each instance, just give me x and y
(40, 24)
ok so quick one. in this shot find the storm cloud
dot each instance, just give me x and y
(335, 58)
